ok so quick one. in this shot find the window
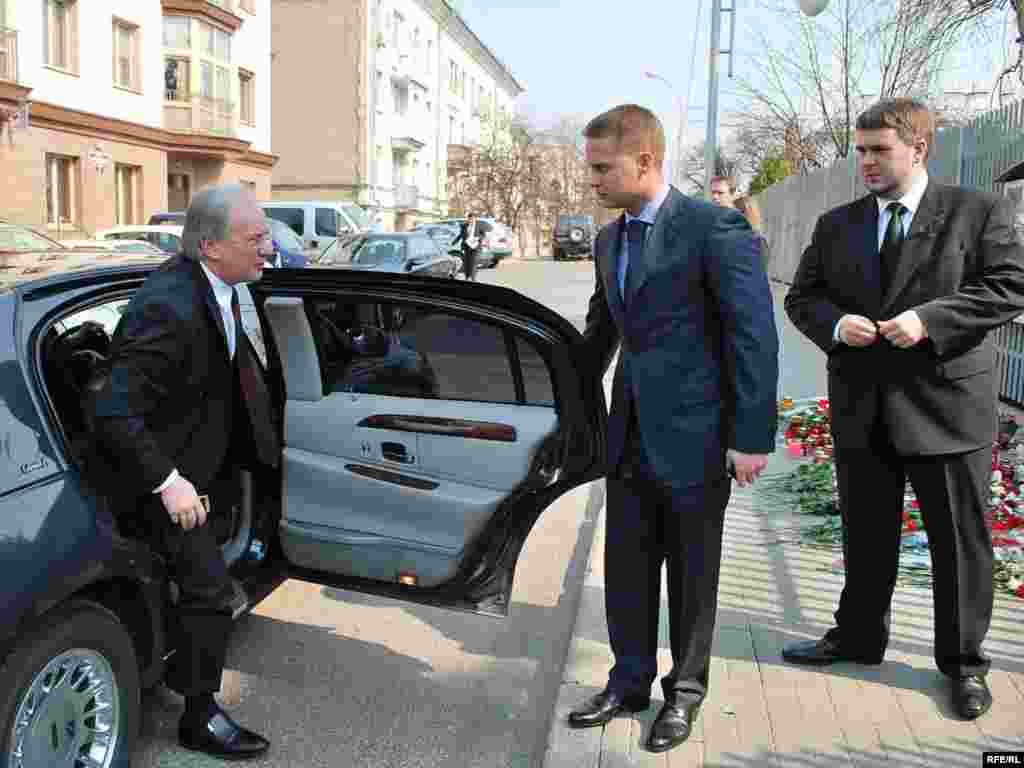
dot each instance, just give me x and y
(326, 222)
(246, 97)
(430, 57)
(177, 32)
(126, 55)
(61, 189)
(60, 34)
(177, 79)
(293, 217)
(126, 193)
(536, 374)
(453, 76)
(396, 31)
(216, 42)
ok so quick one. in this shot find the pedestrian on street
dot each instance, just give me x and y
(900, 289)
(723, 191)
(748, 206)
(470, 237)
(184, 405)
(679, 284)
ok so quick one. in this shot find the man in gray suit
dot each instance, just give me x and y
(679, 283)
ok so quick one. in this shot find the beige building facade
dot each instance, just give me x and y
(112, 110)
(406, 80)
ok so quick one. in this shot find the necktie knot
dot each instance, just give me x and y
(635, 231)
(896, 208)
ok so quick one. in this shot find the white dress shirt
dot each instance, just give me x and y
(222, 292)
(911, 202)
(647, 215)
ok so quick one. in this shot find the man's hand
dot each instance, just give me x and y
(182, 504)
(857, 331)
(904, 330)
(747, 466)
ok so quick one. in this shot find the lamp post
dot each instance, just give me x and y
(677, 154)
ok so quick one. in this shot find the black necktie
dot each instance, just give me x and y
(635, 231)
(891, 242)
(254, 391)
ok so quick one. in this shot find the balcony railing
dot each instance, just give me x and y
(200, 115)
(8, 54)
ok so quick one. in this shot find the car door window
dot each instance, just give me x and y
(293, 217)
(326, 222)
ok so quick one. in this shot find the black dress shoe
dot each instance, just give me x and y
(824, 651)
(222, 737)
(674, 723)
(971, 697)
(599, 709)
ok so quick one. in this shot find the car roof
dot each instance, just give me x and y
(300, 203)
(21, 269)
(170, 229)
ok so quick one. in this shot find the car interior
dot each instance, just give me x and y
(405, 428)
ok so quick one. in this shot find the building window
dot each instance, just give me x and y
(176, 78)
(216, 42)
(126, 193)
(178, 32)
(396, 31)
(126, 55)
(61, 192)
(430, 57)
(60, 34)
(453, 76)
(246, 97)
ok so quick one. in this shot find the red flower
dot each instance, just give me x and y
(999, 525)
(1019, 591)
(823, 404)
(915, 504)
(909, 525)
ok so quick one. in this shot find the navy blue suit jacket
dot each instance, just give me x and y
(699, 347)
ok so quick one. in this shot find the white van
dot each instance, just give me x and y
(319, 222)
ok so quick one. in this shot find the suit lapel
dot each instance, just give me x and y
(864, 251)
(659, 243)
(917, 249)
(206, 291)
(609, 263)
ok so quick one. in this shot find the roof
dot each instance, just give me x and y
(169, 229)
(17, 269)
(300, 203)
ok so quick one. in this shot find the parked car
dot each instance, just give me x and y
(166, 237)
(168, 217)
(411, 253)
(444, 234)
(429, 424)
(118, 246)
(289, 247)
(496, 240)
(15, 238)
(320, 222)
(573, 236)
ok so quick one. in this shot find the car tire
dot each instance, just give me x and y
(78, 648)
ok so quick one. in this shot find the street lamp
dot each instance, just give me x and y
(677, 155)
(812, 7)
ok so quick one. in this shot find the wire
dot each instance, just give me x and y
(693, 62)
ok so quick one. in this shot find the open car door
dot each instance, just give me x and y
(427, 424)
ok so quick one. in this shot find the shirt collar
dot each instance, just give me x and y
(912, 200)
(650, 209)
(221, 290)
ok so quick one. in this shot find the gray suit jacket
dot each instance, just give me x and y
(699, 359)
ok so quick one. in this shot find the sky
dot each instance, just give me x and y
(584, 56)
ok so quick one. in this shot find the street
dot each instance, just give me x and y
(341, 679)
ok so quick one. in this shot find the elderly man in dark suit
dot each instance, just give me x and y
(184, 404)
(901, 289)
(680, 284)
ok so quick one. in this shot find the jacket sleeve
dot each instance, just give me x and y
(148, 360)
(601, 335)
(807, 302)
(991, 297)
(750, 344)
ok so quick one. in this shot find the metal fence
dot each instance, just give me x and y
(972, 155)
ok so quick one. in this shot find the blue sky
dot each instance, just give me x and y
(583, 56)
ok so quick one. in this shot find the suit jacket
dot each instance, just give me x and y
(169, 399)
(961, 268)
(482, 228)
(699, 349)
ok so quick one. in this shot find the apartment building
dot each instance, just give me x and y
(394, 85)
(111, 110)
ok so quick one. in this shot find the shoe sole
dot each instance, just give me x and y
(233, 756)
(667, 747)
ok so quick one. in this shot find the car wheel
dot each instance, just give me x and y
(71, 693)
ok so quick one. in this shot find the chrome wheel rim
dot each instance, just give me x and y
(69, 714)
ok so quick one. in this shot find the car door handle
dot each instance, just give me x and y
(396, 452)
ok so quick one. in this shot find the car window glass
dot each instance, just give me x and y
(405, 351)
(285, 237)
(326, 222)
(358, 216)
(293, 217)
(14, 238)
(536, 375)
(373, 252)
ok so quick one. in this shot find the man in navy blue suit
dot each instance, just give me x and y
(680, 285)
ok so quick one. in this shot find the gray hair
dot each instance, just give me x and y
(209, 217)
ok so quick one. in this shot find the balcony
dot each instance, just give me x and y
(8, 54)
(408, 133)
(407, 196)
(200, 115)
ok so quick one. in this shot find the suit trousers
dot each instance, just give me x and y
(469, 260)
(648, 523)
(195, 563)
(953, 494)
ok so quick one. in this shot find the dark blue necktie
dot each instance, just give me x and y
(635, 232)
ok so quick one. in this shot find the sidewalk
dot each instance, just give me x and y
(761, 711)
